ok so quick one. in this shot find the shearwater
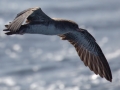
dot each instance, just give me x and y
(37, 22)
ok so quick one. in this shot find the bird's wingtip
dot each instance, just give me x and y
(110, 80)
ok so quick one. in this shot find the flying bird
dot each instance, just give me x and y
(35, 21)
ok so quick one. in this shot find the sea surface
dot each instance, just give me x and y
(40, 62)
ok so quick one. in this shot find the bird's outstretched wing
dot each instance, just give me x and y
(20, 18)
(89, 52)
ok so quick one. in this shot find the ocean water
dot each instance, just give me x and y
(40, 62)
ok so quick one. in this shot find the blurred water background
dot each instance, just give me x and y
(39, 62)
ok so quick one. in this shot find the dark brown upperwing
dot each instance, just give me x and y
(89, 52)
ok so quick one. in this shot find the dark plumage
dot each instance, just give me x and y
(85, 44)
